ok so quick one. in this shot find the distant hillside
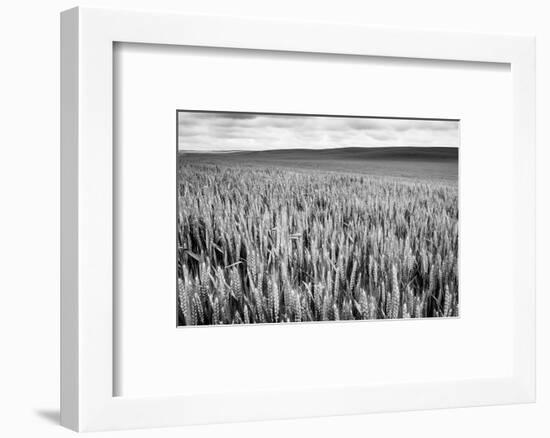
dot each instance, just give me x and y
(355, 153)
(428, 163)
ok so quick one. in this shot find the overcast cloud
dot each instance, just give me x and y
(244, 131)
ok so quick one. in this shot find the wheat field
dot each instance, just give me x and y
(260, 243)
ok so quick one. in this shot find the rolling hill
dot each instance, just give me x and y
(439, 163)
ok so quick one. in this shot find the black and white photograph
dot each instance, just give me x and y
(289, 218)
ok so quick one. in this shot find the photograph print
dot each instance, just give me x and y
(290, 218)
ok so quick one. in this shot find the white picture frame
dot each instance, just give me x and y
(87, 343)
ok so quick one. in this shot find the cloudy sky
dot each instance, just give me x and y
(211, 131)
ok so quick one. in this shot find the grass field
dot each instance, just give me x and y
(317, 235)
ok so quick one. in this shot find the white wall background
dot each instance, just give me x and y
(29, 206)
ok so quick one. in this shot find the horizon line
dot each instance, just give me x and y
(228, 151)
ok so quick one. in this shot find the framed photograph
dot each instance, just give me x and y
(275, 219)
(297, 218)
